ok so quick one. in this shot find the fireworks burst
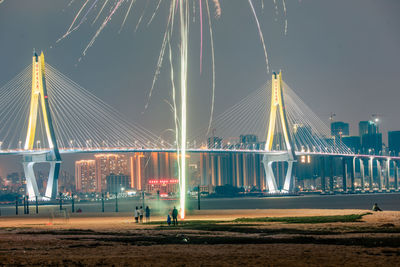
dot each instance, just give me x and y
(178, 13)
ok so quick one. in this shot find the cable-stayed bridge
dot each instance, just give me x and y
(44, 114)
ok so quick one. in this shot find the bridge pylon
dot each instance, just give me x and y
(39, 99)
(278, 117)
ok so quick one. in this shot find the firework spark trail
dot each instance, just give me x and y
(141, 16)
(213, 70)
(176, 119)
(284, 12)
(218, 10)
(194, 12)
(105, 22)
(180, 10)
(184, 32)
(87, 12)
(101, 10)
(69, 4)
(201, 35)
(161, 55)
(126, 15)
(154, 13)
(260, 34)
(73, 22)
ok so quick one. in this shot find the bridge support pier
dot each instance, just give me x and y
(387, 175)
(322, 162)
(288, 184)
(52, 182)
(331, 175)
(352, 175)
(396, 181)
(362, 172)
(344, 170)
(379, 169)
(371, 173)
(31, 185)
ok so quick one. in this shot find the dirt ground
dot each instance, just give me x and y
(115, 240)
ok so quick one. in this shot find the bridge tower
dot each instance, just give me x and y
(278, 117)
(39, 95)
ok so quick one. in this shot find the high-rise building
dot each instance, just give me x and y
(367, 127)
(85, 176)
(149, 166)
(239, 170)
(371, 139)
(339, 129)
(107, 164)
(372, 143)
(394, 142)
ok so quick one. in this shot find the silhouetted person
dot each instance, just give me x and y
(147, 211)
(375, 207)
(136, 215)
(169, 220)
(175, 216)
(141, 211)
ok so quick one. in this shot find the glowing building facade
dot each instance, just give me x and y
(85, 176)
(107, 164)
(236, 169)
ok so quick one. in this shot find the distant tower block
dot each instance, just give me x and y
(278, 105)
(39, 94)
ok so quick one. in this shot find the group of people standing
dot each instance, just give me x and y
(139, 212)
(174, 214)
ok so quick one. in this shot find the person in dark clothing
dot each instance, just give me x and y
(175, 216)
(169, 220)
(375, 207)
(141, 211)
(136, 215)
(147, 213)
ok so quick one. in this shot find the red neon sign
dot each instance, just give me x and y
(163, 181)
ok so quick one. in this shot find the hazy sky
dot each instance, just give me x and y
(339, 56)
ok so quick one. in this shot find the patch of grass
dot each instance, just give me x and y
(307, 219)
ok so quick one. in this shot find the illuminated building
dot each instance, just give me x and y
(107, 164)
(85, 176)
(236, 169)
(137, 166)
(163, 186)
(145, 166)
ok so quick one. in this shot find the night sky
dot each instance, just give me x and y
(339, 56)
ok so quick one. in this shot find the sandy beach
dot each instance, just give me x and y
(205, 238)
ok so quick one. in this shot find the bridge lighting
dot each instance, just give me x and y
(1, 143)
(20, 144)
